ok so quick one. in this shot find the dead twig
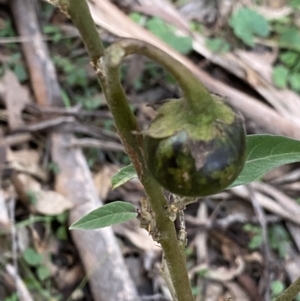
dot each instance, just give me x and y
(104, 145)
(265, 280)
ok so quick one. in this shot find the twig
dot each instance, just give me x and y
(13, 234)
(104, 145)
(265, 242)
(45, 124)
(12, 140)
(23, 292)
(74, 111)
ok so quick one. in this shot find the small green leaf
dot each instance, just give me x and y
(266, 152)
(246, 23)
(290, 38)
(218, 45)
(136, 17)
(43, 272)
(123, 175)
(61, 233)
(21, 72)
(167, 33)
(110, 214)
(289, 58)
(277, 287)
(280, 75)
(32, 257)
(294, 80)
(294, 3)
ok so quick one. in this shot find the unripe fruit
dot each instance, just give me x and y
(192, 154)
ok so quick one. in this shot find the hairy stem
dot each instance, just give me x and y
(107, 69)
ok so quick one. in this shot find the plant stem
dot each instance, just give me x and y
(291, 292)
(80, 15)
(194, 91)
(108, 75)
(119, 108)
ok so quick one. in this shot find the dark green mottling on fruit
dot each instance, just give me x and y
(192, 155)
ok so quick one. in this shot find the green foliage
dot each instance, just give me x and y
(7, 30)
(32, 197)
(196, 290)
(167, 33)
(256, 236)
(279, 239)
(123, 175)
(53, 167)
(266, 152)
(280, 76)
(203, 273)
(75, 76)
(294, 3)
(53, 31)
(15, 63)
(218, 45)
(290, 39)
(289, 58)
(109, 214)
(136, 17)
(65, 98)
(246, 23)
(88, 100)
(61, 233)
(289, 72)
(43, 272)
(12, 297)
(20, 71)
(294, 80)
(32, 257)
(277, 287)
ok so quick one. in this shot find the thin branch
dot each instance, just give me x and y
(95, 143)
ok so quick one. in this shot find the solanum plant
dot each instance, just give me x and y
(196, 146)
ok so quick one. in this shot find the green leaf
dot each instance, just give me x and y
(167, 33)
(294, 3)
(136, 17)
(21, 72)
(289, 58)
(246, 23)
(32, 257)
(61, 233)
(294, 80)
(277, 287)
(290, 38)
(43, 272)
(280, 75)
(266, 152)
(122, 176)
(218, 45)
(110, 214)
